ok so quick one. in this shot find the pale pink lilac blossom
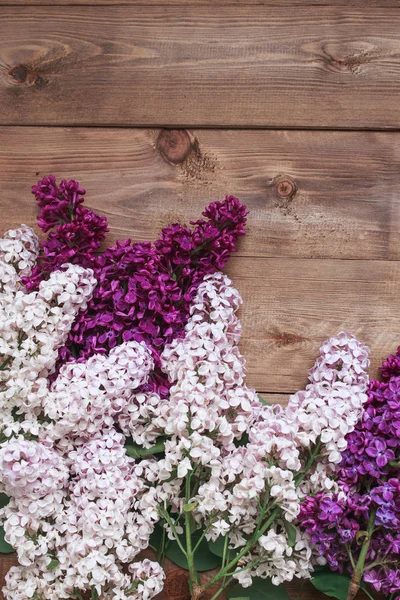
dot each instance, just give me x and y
(208, 415)
(33, 326)
(248, 463)
(62, 463)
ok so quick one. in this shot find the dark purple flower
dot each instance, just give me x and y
(391, 366)
(78, 231)
(379, 450)
(330, 510)
(369, 480)
(144, 291)
(348, 529)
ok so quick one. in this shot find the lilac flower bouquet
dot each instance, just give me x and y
(127, 424)
(357, 529)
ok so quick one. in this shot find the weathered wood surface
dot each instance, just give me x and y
(232, 66)
(341, 198)
(209, 3)
(290, 306)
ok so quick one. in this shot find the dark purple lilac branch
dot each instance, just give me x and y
(76, 232)
(340, 524)
(144, 290)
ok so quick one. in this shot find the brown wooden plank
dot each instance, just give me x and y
(210, 3)
(346, 205)
(275, 398)
(291, 306)
(258, 66)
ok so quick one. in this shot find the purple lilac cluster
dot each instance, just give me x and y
(357, 529)
(391, 366)
(144, 290)
(77, 232)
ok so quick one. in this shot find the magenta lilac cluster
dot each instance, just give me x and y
(144, 290)
(364, 516)
(76, 232)
(391, 366)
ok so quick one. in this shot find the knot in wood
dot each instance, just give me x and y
(19, 73)
(286, 188)
(174, 145)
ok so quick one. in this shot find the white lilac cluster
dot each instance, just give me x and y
(18, 252)
(330, 406)
(86, 398)
(244, 457)
(81, 510)
(33, 326)
(63, 464)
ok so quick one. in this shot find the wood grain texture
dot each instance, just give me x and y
(239, 66)
(291, 306)
(346, 203)
(208, 3)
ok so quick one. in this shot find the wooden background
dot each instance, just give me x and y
(158, 107)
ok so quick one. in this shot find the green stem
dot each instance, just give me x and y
(136, 451)
(246, 568)
(194, 576)
(263, 508)
(374, 564)
(201, 538)
(5, 363)
(222, 573)
(171, 524)
(221, 590)
(353, 564)
(359, 570)
(309, 464)
(225, 555)
(368, 594)
(95, 595)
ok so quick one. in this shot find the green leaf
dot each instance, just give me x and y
(4, 500)
(291, 532)
(53, 564)
(204, 560)
(240, 598)
(261, 589)
(395, 463)
(136, 451)
(5, 547)
(244, 440)
(156, 537)
(331, 583)
(190, 507)
(263, 401)
(95, 595)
